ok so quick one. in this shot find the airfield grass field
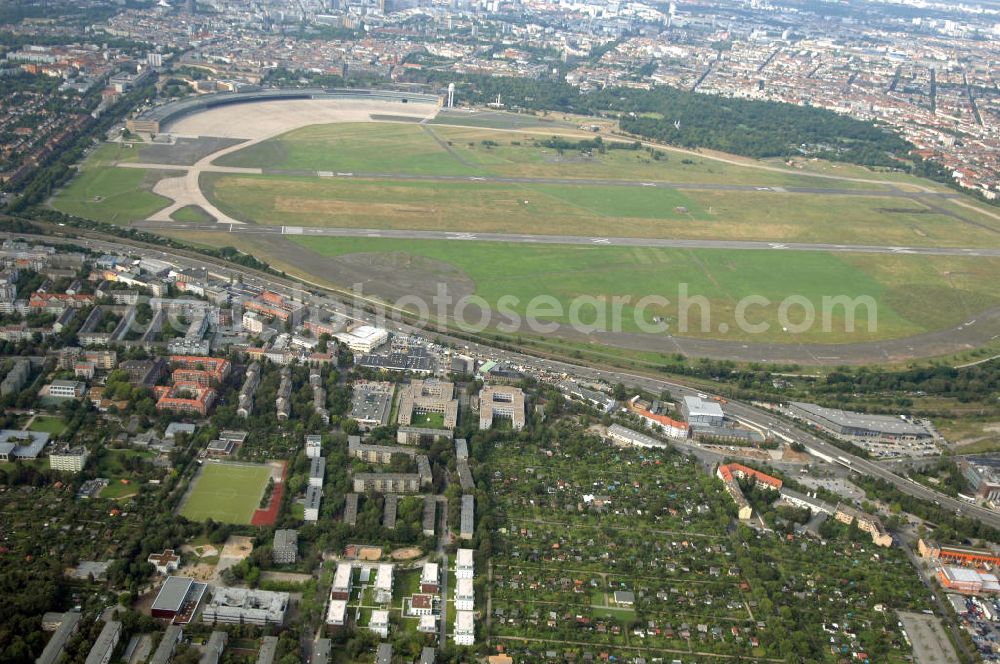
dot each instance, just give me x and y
(444, 150)
(562, 209)
(227, 493)
(112, 194)
(192, 214)
(913, 294)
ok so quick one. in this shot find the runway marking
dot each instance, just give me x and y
(600, 240)
(648, 184)
(345, 175)
(901, 250)
(775, 245)
(291, 230)
(325, 174)
(779, 190)
(462, 236)
(475, 179)
(762, 188)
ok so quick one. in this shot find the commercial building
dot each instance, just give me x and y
(501, 401)
(968, 581)
(860, 427)
(371, 403)
(465, 628)
(311, 508)
(363, 338)
(285, 549)
(342, 581)
(240, 606)
(423, 397)
(54, 648)
(276, 306)
(957, 555)
(701, 411)
(625, 437)
(68, 459)
(107, 641)
(178, 599)
(467, 518)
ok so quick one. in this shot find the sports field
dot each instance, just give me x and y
(227, 493)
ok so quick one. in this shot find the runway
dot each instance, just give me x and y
(516, 238)
(891, 192)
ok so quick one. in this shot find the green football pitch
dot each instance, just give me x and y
(226, 493)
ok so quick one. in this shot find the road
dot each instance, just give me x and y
(756, 416)
(521, 238)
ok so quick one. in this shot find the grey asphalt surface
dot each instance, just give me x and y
(757, 416)
(605, 182)
(520, 238)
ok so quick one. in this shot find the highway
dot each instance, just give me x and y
(757, 416)
(520, 238)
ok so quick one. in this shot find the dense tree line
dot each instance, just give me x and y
(752, 128)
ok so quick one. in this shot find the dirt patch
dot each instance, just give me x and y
(237, 546)
(201, 571)
(362, 552)
(285, 577)
(407, 553)
(334, 206)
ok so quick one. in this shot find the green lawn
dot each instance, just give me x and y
(192, 214)
(51, 425)
(592, 210)
(365, 147)
(227, 493)
(112, 194)
(428, 420)
(117, 490)
(912, 293)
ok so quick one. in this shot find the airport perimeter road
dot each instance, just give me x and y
(517, 238)
(752, 415)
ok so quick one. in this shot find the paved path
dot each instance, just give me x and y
(521, 238)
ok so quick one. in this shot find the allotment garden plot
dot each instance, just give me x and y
(640, 552)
